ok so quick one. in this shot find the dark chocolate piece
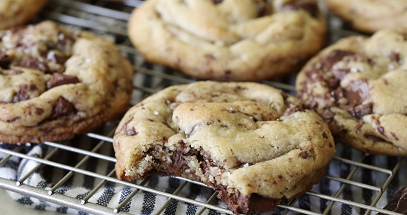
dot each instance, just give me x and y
(56, 58)
(63, 108)
(217, 1)
(5, 61)
(22, 94)
(60, 79)
(262, 8)
(34, 63)
(398, 203)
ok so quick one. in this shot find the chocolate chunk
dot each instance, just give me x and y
(262, 8)
(34, 63)
(56, 58)
(63, 108)
(22, 94)
(335, 56)
(357, 92)
(292, 110)
(398, 203)
(58, 79)
(5, 61)
(309, 7)
(394, 56)
(360, 110)
(340, 73)
(64, 42)
(130, 131)
(246, 204)
(217, 1)
(306, 154)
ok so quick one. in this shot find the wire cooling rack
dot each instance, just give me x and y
(355, 183)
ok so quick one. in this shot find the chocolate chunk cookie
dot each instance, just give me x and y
(17, 12)
(358, 85)
(230, 39)
(56, 83)
(253, 143)
(371, 15)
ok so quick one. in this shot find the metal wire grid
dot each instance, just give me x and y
(110, 19)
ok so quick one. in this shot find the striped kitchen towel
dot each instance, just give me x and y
(111, 194)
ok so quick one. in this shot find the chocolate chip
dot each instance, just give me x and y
(63, 108)
(306, 154)
(357, 92)
(34, 63)
(394, 136)
(58, 79)
(360, 110)
(335, 56)
(324, 135)
(64, 42)
(5, 61)
(131, 131)
(340, 73)
(56, 58)
(262, 8)
(309, 7)
(217, 1)
(394, 56)
(39, 111)
(292, 110)
(14, 119)
(380, 129)
(22, 94)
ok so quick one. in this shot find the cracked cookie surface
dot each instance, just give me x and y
(371, 15)
(17, 12)
(253, 143)
(241, 40)
(57, 83)
(358, 86)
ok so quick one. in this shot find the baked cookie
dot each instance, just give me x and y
(358, 85)
(230, 39)
(228, 136)
(370, 16)
(56, 83)
(17, 12)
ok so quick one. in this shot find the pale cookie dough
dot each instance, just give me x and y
(358, 85)
(240, 40)
(371, 15)
(253, 143)
(17, 12)
(56, 83)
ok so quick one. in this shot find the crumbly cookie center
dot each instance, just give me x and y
(32, 61)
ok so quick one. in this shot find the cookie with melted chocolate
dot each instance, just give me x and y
(229, 39)
(358, 86)
(254, 144)
(56, 83)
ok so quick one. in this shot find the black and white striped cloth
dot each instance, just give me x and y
(112, 194)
